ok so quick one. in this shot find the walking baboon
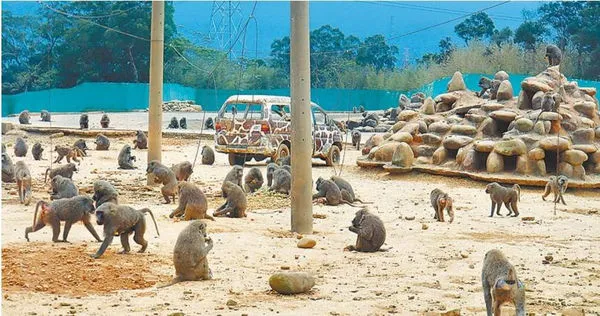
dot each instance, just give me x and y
(369, 230)
(68, 152)
(125, 158)
(192, 203)
(253, 180)
(104, 121)
(122, 220)
(166, 176)
(208, 155)
(236, 203)
(500, 284)
(183, 123)
(36, 151)
(8, 169)
(62, 188)
(71, 210)
(140, 141)
(24, 117)
(45, 116)
(508, 196)
(282, 181)
(20, 147)
(23, 178)
(356, 136)
(65, 171)
(329, 193)
(235, 175)
(183, 170)
(105, 192)
(102, 142)
(553, 55)
(271, 167)
(83, 121)
(440, 201)
(558, 186)
(174, 123)
(80, 143)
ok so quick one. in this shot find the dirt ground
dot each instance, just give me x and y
(425, 270)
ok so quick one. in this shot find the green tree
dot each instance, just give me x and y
(564, 17)
(529, 34)
(502, 36)
(477, 26)
(375, 52)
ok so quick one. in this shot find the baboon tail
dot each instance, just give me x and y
(147, 210)
(36, 210)
(355, 199)
(518, 189)
(46, 175)
(344, 201)
(174, 281)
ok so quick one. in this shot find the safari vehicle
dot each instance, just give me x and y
(259, 127)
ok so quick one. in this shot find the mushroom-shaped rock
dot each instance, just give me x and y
(291, 282)
(533, 85)
(583, 136)
(385, 151)
(510, 147)
(431, 139)
(403, 156)
(505, 91)
(586, 108)
(503, 115)
(401, 137)
(456, 141)
(494, 163)
(574, 157)
(536, 154)
(524, 124)
(484, 146)
(490, 107)
(428, 106)
(501, 75)
(439, 128)
(467, 130)
(551, 143)
(456, 83)
(407, 115)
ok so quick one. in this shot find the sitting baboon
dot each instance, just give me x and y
(102, 142)
(209, 124)
(440, 201)
(65, 171)
(361, 109)
(490, 86)
(282, 181)
(183, 170)
(23, 178)
(24, 117)
(140, 141)
(558, 186)
(45, 116)
(328, 193)
(208, 155)
(68, 152)
(508, 196)
(36, 151)
(271, 167)
(20, 147)
(369, 230)
(80, 143)
(125, 158)
(104, 121)
(174, 123)
(235, 175)
(62, 188)
(166, 176)
(105, 192)
(550, 103)
(8, 169)
(553, 55)
(84, 121)
(236, 203)
(192, 203)
(183, 123)
(356, 139)
(284, 161)
(253, 180)
(500, 284)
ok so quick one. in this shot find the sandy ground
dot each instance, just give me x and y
(435, 269)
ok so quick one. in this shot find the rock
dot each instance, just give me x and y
(573, 312)
(489, 127)
(586, 148)
(586, 108)
(536, 101)
(398, 126)
(586, 122)
(431, 139)
(583, 136)
(6, 127)
(579, 172)
(368, 129)
(352, 124)
(306, 243)
(595, 157)
(565, 169)
(291, 282)
(231, 303)
(403, 156)
(540, 128)
(505, 91)
(489, 107)
(411, 128)
(540, 167)
(464, 255)
(409, 218)
(524, 124)
(401, 137)
(551, 143)
(468, 163)
(523, 165)
(386, 151)
(422, 127)
(596, 131)
(428, 106)
(407, 115)
(440, 128)
(381, 128)
(456, 141)
(574, 157)
(456, 83)
(461, 153)
(511, 147)
(439, 156)
(424, 150)
(446, 99)
(371, 123)
(502, 115)
(494, 163)
(501, 75)
(403, 101)
(523, 102)
(424, 226)
(533, 85)
(484, 146)
(536, 154)
(475, 118)
(549, 116)
(527, 218)
(464, 130)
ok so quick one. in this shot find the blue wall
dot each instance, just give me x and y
(119, 97)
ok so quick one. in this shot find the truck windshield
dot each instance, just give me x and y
(252, 111)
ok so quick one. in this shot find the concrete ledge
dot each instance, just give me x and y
(108, 132)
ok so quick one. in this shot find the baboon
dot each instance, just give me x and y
(102, 142)
(166, 176)
(253, 180)
(104, 192)
(183, 123)
(236, 203)
(346, 189)
(440, 201)
(80, 143)
(104, 121)
(183, 170)
(62, 188)
(68, 152)
(550, 103)
(23, 177)
(174, 123)
(125, 158)
(282, 181)
(20, 147)
(271, 167)
(235, 175)
(354, 109)
(208, 155)
(122, 220)
(369, 230)
(284, 161)
(65, 171)
(558, 186)
(210, 123)
(329, 193)
(8, 169)
(356, 139)
(71, 210)
(553, 55)
(192, 203)
(500, 284)
(189, 254)
(508, 196)
(37, 151)
(288, 168)
(83, 121)
(24, 117)
(140, 141)
(3, 148)
(361, 109)
(45, 116)
(489, 85)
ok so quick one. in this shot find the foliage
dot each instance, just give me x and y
(478, 26)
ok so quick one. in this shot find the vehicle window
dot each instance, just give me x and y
(253, 112)
(233, 108)
(281, 112)
(319, 117)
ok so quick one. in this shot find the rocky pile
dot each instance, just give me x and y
(181, 106)
(375, 122)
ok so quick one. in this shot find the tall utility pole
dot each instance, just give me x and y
(156, 82)
(302, 144)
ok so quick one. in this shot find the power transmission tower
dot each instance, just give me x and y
(225, 21)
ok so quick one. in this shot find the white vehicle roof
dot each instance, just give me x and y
(264, 99)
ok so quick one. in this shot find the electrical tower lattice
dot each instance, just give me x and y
(225, 22)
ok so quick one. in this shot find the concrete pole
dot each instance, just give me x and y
(156, 82)
(302, 144)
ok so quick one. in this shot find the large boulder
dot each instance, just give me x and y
(524, 124)
(503, 115)
(505, 91)
(467, 130)
(536, 154)
(403, 102)
(536, 101)
(456, 141)
(501, 75)
(440, 128)
(385, 151)
(403, 137)
(431, 139)
(494, 163)
(456, 83)
(407, 115)
(291, 282)
(510, 147)
(583, 136)
(403, 156)
(428, 106)
(551, 143)
(484, 146)
(574, 157)
(586, 108)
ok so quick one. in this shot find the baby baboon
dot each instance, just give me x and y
(550, 103)
(183, 170)
(71, 210)
(104, 121)
(189, 254)
(329, 193)
(208, 155)
(235, 175)
(236, 203)
(553, 55)
(104, 192)
(271, 167)
(23, 177)
(125, 158)
(122, 220)
(500, 284)
(102, 142)
(253, 180)
(174, 123)
(24, 117)
(65, 171)
(508, 196)
(440, 201)
(558, 186)
(20, 147)
(83, 121)
(166, 176)
(36, 151)
(183, 123)
(356, 139)
(140, 141)
(62, 188)
(284, 161)
(209, 124)
(8, 169)
(80, 143)
(369, 230)
(68, 152)
(282, 181)
(45, 116)
(192, 203)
